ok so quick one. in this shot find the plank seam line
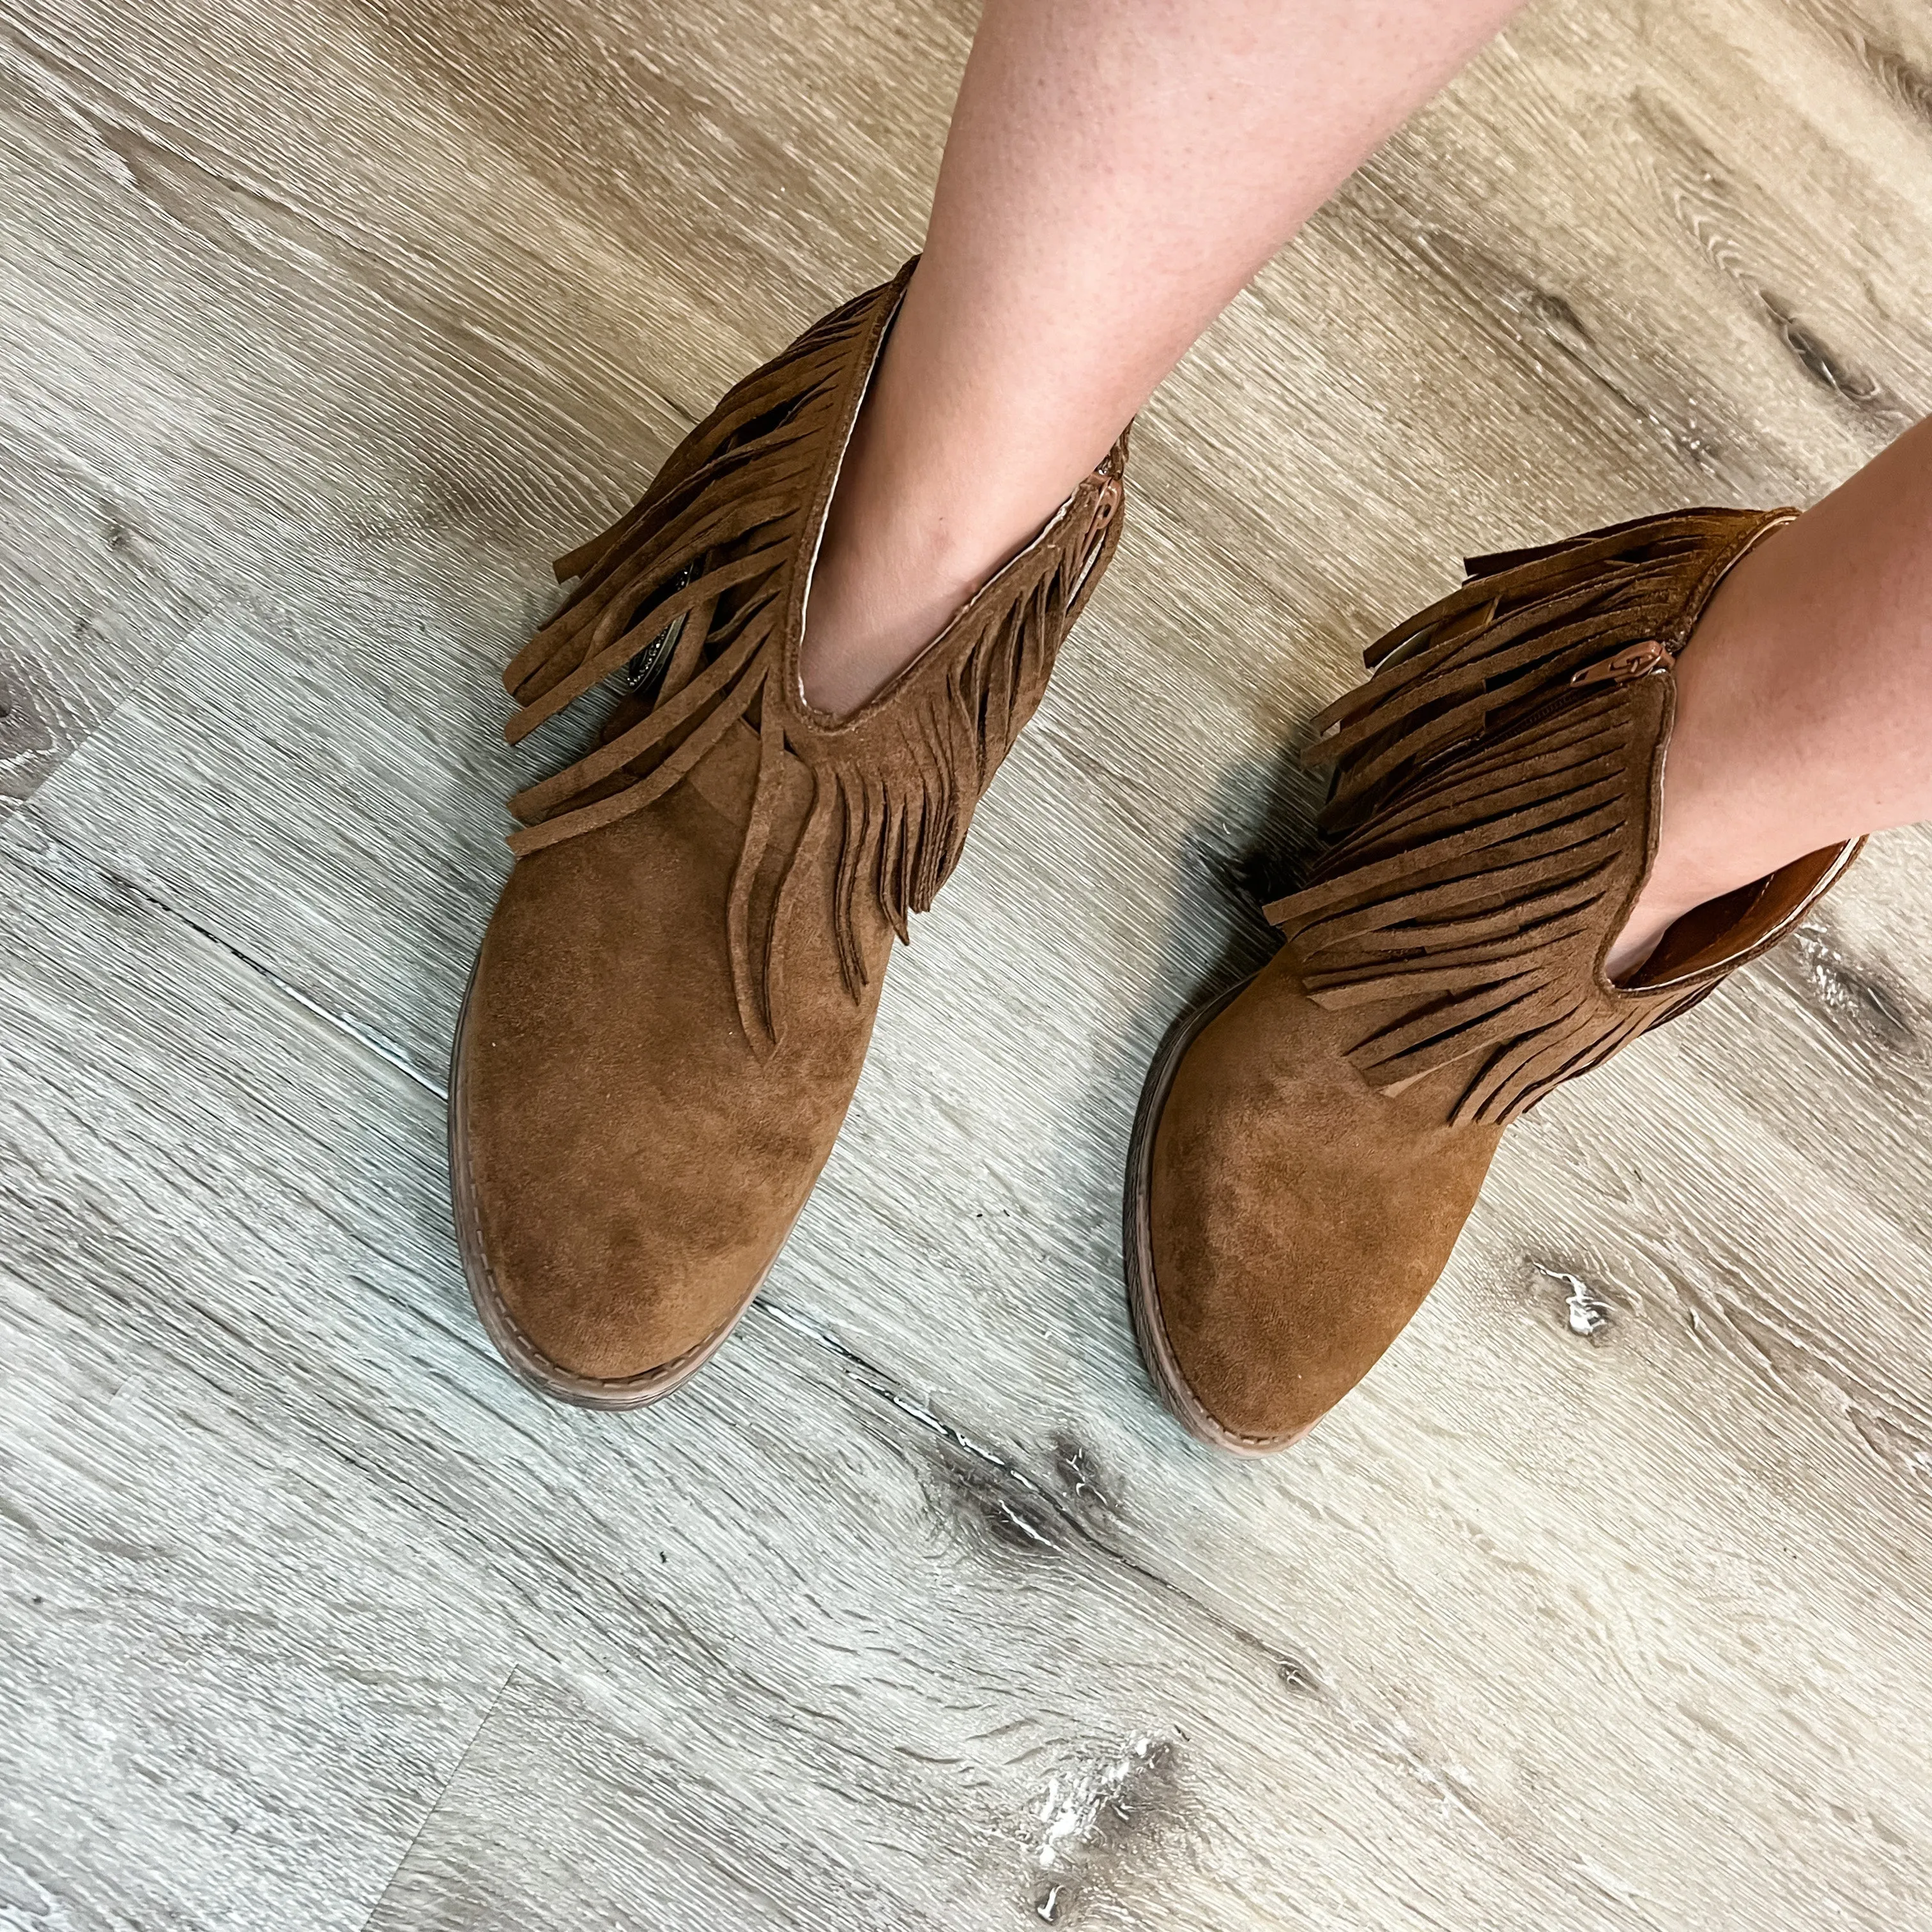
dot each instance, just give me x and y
(442, 1791)
(71, 861)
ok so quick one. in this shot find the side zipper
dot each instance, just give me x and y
(1643, 659)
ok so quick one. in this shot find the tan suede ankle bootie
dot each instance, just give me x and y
(1310, 1143)
(670, 1007)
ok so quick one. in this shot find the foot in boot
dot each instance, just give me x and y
(1309, 1149)
(672, 1002)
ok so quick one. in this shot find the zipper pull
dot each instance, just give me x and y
(1633, 661)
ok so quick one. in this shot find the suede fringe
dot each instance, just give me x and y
(1483, 809)
(699, 579)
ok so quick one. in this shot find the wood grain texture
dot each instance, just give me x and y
(1603, 1604)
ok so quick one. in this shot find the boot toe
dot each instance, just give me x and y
(588, 1293)
(625, 1167)
(1294, 1219)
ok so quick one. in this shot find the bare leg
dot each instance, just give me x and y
(1116, 170)
(1805, 696)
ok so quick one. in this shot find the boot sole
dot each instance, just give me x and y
(524, 1359)
(1163, 1368)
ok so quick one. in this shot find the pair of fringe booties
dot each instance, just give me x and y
(671, 1005)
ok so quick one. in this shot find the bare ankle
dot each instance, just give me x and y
(879, 596)
(930, 503)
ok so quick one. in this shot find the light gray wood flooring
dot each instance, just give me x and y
(1604, 1604)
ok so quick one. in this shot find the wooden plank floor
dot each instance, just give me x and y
(1604, 1604)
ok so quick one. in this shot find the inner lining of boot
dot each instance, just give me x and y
(1708, 934)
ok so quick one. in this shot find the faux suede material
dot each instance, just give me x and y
(1299, 1215)
(672, 1002)
(1326, 1135)
(636, 1167)
(1302, 1202)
